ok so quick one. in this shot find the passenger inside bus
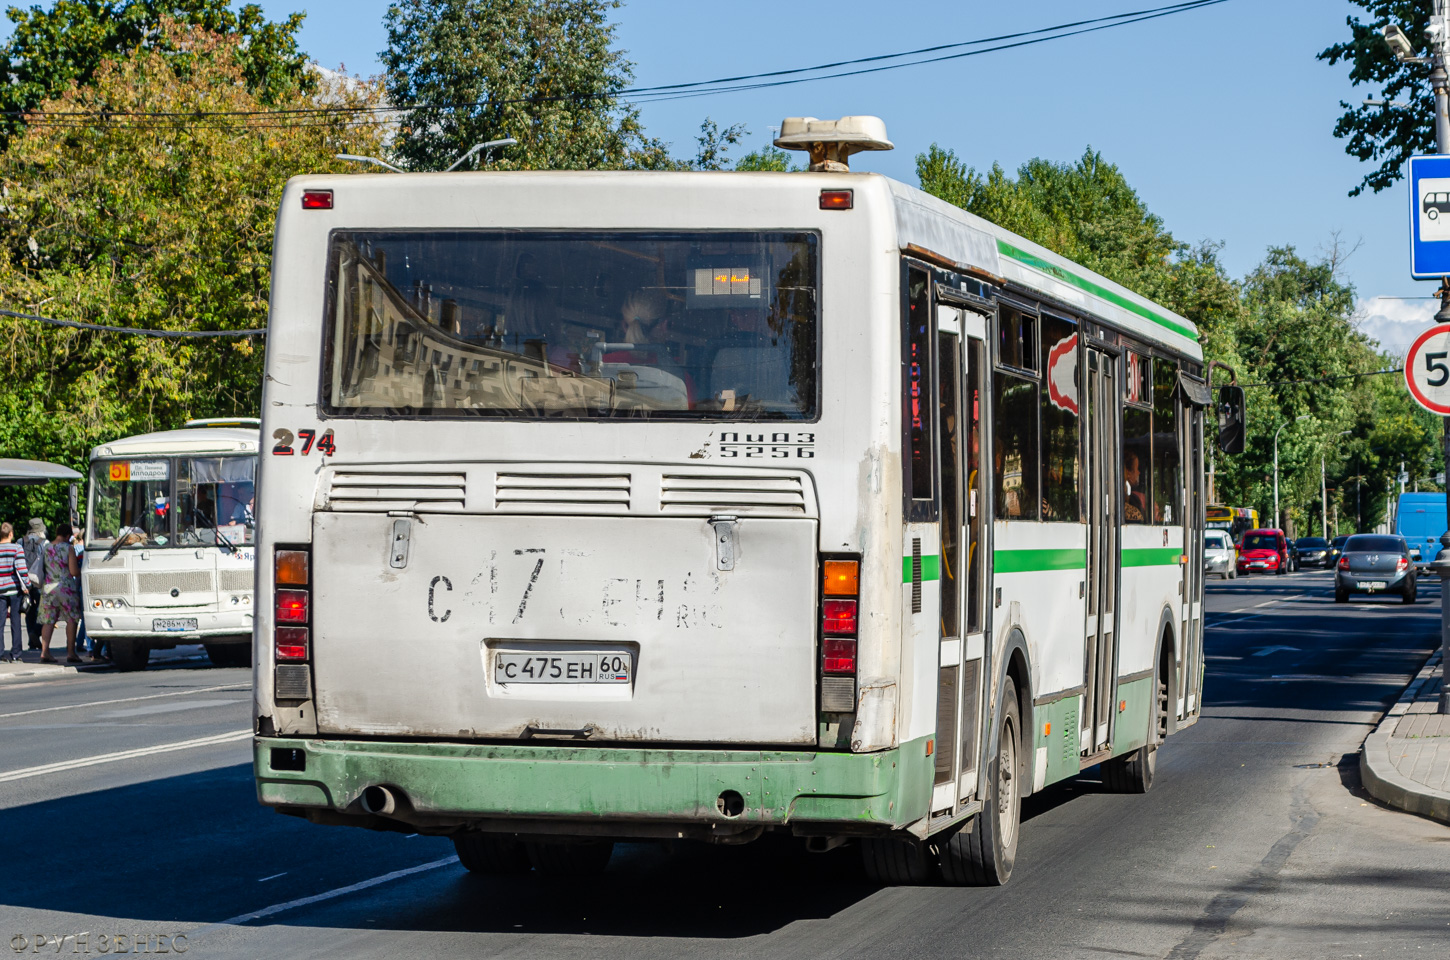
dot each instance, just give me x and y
(1133, 502)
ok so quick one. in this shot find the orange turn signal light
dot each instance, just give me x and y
(837, 199)
(843, 578)
(292, 568)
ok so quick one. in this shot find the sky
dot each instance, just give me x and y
(1221, 118)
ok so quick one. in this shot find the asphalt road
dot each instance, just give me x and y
(1256, 840)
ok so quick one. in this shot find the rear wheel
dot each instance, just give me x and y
(130, 654)
(490, 855)
(229, 654)
(982, 852)
(1410, 592)
(578, 859)
(1341, 596)
(896, 863)
(1134, 772)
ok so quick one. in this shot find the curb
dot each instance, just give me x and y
(1381, 779)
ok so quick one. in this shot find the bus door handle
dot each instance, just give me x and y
(724, 527)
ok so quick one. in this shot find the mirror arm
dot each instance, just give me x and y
(1233, 380)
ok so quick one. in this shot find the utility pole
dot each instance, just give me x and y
(1323, 501)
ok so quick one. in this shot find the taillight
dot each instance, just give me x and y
(292, 575)
(1344, 563)
(316, 199)
(837, 199)
(840, 609)
(1401, 565)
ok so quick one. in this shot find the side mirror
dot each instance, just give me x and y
(1231, 422)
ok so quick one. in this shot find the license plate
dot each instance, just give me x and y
(1373, 584)
(561, 668)
(1257, 563)
(173, 624)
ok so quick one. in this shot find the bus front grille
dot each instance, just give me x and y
(108, 584)
(182, 581)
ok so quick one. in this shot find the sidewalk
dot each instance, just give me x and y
(30, 669)
(1406, 761)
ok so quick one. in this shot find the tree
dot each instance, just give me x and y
(768, 158)
(714, 144)
(151, 223)
(1388, 135)
(541, 71)
(51, 50)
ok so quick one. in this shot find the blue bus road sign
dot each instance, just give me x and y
(1429, 217)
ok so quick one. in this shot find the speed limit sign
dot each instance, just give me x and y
(1427, 369)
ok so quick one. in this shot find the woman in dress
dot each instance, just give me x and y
(60, 598)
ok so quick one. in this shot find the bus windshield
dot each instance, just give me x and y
(166, 502)
(707, 326)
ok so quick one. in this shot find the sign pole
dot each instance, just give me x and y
(1439, 34)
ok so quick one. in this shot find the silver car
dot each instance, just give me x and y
(1375, 563)
(1219, 555)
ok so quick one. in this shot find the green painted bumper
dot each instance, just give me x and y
(570, 782)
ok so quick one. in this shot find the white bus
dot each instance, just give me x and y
(169, 542)
(608, 506)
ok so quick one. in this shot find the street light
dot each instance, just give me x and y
(1276, 466)
(505, 142)
(359, 159)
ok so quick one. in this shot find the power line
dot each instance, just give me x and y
(138, 331)
(659, 93)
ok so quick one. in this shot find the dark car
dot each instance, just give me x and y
(1263, 551)
(1336, 547)
(1312, 551)
(1375, 563)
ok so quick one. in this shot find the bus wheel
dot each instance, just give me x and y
(896, 863)
(572, 859)
(491, 855)
(229, 654)
(982, 851)
(1133, 772)
(130, 654)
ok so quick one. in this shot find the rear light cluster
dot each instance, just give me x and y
(1401, 565)
(839, 611)
(293, 613)
(1344, 563)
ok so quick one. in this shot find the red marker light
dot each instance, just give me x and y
(291, 643)
(837, 199)
(291, 606)
(839, 617)
(838, 655)
(316, 199)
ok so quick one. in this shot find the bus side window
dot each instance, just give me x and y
(1061, 443)
(920, 398)
(1167, 468)
(1137, 442)
(1015, 410)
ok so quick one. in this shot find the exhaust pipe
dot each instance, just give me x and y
(379, 801)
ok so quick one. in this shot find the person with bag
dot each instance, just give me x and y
(60, 597)
(34, 544)
(14, 591)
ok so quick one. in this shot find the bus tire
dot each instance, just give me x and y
(583, 858)
(896, 863)
(130, 655)
(1133, 772)
(491, 856)
(229, 654)
(981, 853)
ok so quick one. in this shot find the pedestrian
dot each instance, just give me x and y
(60, 597)
(34, 544)
(14, 590)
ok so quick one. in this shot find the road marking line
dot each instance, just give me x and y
(27, 772)
(273, 877)
(277, 908)
(102, 703)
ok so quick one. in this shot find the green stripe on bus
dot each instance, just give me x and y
(1025, 561)
(1082, 283)
(930, 568)
(1151, 556)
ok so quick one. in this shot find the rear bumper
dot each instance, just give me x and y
(1352, 582)
(135, 623)
(446, 786)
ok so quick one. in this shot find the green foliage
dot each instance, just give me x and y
(1287, 330)
(1387, 135)
(541, 71)
(715, 144)
(768, 158)
(50, 50)
(153, 224)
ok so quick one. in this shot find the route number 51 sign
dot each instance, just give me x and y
(1427, 369)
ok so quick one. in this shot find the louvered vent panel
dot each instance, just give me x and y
(369, 491)
(108, 584)
(185, 581)
(562, 493)
(761, 494)
(234, 580)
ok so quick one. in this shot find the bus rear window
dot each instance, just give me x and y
(716, 326)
